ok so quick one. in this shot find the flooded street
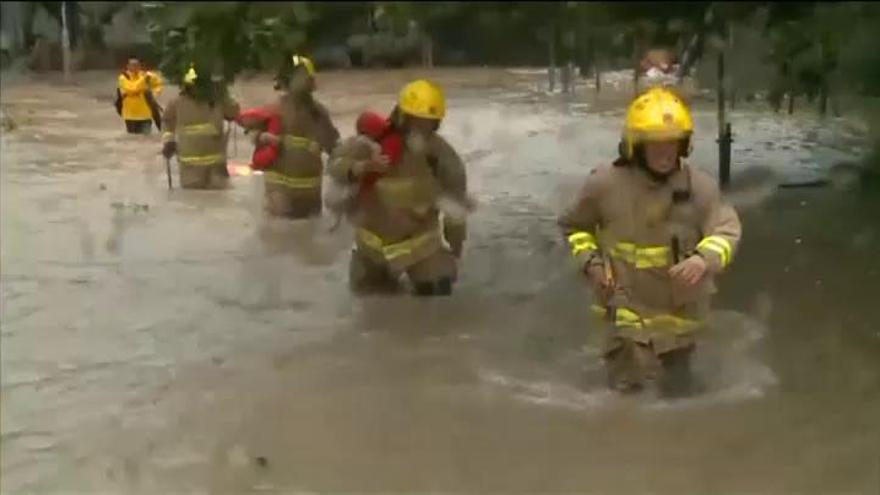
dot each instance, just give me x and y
(158, 341)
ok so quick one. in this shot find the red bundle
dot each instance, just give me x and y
(264, 154)
(379, 128)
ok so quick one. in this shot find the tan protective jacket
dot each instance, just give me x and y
(397, 218)
(198, 129)
(643, 227)
(307, 133)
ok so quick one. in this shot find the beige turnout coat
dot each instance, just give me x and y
(642, 227)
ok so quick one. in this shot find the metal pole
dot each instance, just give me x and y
(724, 131)
(720, 91)
(724, 152)
(636, 67)
(551, 71)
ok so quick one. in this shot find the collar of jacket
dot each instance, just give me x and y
(677, 180)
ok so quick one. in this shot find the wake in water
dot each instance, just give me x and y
(727, 366)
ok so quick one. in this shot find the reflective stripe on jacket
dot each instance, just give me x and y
(643, 227)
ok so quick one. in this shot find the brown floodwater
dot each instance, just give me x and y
(158, 341)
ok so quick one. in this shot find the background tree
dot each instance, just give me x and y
(225, 38)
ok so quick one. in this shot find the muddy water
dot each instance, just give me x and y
(159, 341)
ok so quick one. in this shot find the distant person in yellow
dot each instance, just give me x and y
(136, 98)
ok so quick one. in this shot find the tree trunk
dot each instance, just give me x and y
(65, 42)
(15, 14)
(723, 128)
(730, 82)
(722, 117)
(835, 109)
(566, 77)
(694, 51)
(28, 25)
(569, 42)
(594, 58)
(636, 63)
(551, 68)
(71, 11)
(427, 52)
(636, 76)
(775, 99)
(790, 103)
(823, 100)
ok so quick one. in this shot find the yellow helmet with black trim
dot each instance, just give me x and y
(423, 99)
(191, 75)
(301, 61)
(658, 114)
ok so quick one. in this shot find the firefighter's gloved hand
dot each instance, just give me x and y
(377, 164)
(268, 138)
(602, 286)
(690, 271)
(169, 149)
(380, 162)
(253, 136)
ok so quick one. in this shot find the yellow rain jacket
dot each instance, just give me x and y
(133, 88)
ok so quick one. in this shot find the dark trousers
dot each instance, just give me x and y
(138, 126)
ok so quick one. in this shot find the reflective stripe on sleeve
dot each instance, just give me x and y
(582, 242)
(719, 246)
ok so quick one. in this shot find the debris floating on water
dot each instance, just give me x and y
(135, 207)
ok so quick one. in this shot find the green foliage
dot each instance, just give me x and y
(224, 38)
(807, 42)
(98, 16)
(860, 53)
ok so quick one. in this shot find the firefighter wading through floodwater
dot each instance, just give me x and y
(650, 232)
(397, 214)
(207, 344)
(293, 182)
(193, 125)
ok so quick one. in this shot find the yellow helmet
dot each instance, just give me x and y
(190, 76)
(299, 60)
(656, 115)
(422, 99)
